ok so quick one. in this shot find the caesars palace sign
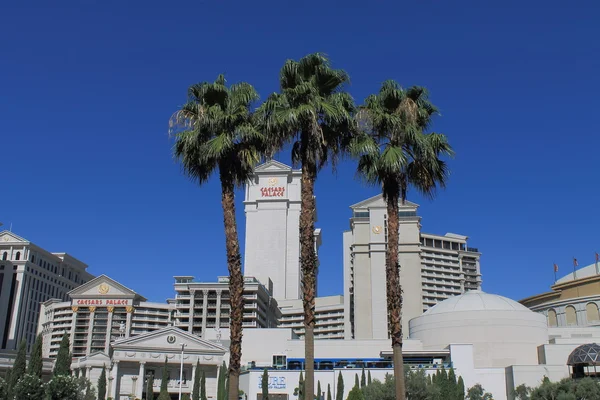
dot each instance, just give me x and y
(102, 302)
(272, 190)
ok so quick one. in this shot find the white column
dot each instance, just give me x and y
(110, 309)
(191, 320)
(88, 347)
(204, 311)
(128, 324)
(73, 322)
(218, 319)
(88, 372)
(115, 380)
(140, 382)
(462, 274)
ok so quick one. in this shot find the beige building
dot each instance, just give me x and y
(202, 306)
(30, 275)
(97, 314)
(432, 268)
(272, 250)
(329, 317)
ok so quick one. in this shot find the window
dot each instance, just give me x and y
(18, 256)
(571, 315)
(32, 258)
(591, 310)
(5, 255)
(279, 360)
(552, 321)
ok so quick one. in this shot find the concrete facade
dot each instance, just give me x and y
(329, 317)
(432, 268)
(30, 275)
(97, 314)
(272, 207)
(203, 306)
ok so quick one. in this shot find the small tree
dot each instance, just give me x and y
(164, 389)
(19, 367)
(522, 392)
(29, 387)
(460, 389)
(301, 387)
(356, 384)
(203, 387)
(319, 390)
(63, 358)
(222, 383)
(363, 378)
(185, 396)
(339, 394)
(369, 378)
(150, 387)
(265, 385)
(35, 360)
(356, 393)
(85, 389)
(328, 391)
(196, 388)
(102, 384)
(62, 387)
(478, 393)
(3, 389)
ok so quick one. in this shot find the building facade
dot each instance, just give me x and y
(98, 313)
(202, 306)
(432, 268)
(573, 301)
(30, 275)
(272, 250)
(329, 317)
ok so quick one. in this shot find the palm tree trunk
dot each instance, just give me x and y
(308, 262)
(236, 285)
(394, 293)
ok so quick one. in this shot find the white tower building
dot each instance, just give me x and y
(272, 207)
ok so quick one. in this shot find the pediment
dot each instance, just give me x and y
(272, 166)
(7, 236)
(103, 287)
(169, 340)
(378, 202)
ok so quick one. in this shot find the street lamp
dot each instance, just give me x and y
(181, 370)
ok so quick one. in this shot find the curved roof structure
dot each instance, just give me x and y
(585, 272)
(476, 300)
(586, 354)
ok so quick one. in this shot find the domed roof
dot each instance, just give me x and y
(476, 300)
(587, 354)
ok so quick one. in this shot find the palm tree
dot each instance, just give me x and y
(395, 153)
(314, 113)
(214, 133)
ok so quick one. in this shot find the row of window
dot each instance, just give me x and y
(17, 256)
(591, 311)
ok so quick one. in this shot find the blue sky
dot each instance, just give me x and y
(87, 88)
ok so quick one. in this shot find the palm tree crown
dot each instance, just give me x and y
(312, 111)
(393, 151)
(215, 129)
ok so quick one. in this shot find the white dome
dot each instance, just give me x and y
(476, 300)
(502, 331)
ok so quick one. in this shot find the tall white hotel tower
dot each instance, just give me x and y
(272, 206)
(272, 254)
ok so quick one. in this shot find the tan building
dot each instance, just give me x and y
(98, 313)
(573, 301)
(329, 317)
(30, 275)
(203, 306)
(432, 268)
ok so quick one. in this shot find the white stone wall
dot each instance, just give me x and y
(272, 246)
